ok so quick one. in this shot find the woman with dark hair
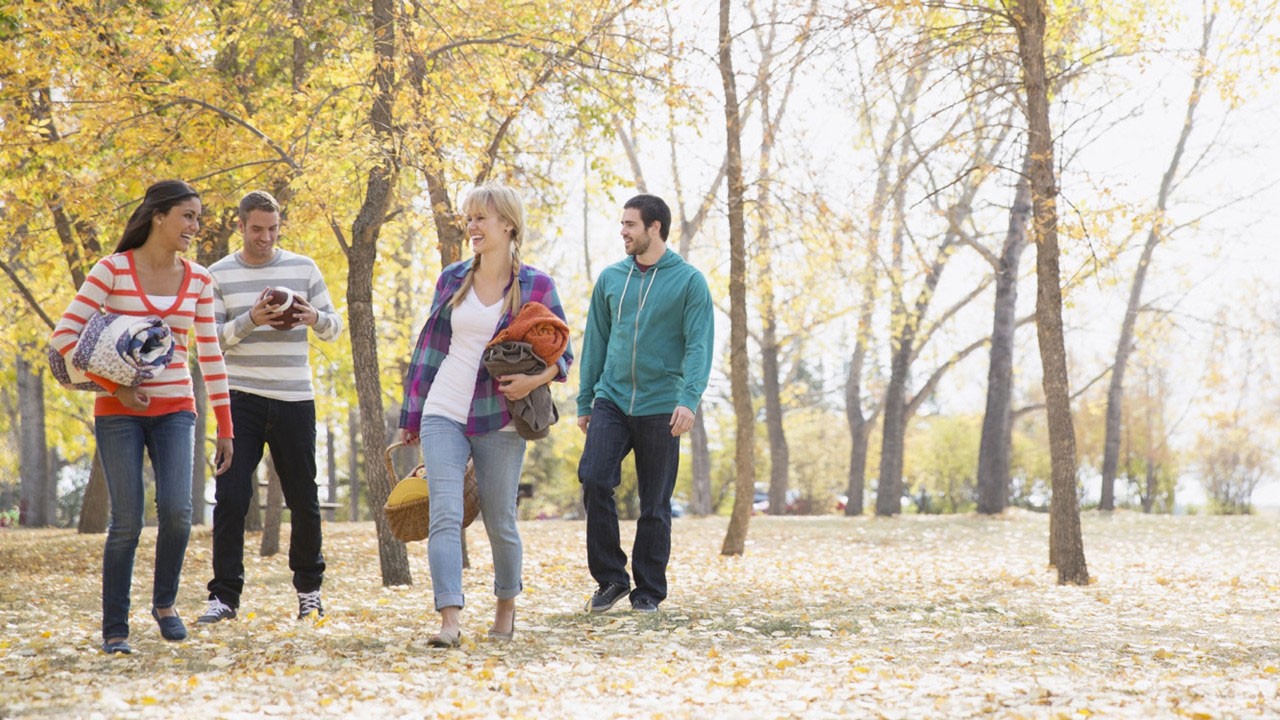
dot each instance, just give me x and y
(146, 276)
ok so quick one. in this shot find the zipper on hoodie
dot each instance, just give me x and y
(642, 296)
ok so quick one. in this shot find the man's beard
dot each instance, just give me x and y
(639, 246)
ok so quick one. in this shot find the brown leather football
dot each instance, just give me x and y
(283, 297)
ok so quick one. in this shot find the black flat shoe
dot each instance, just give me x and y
(171, 627)
(117, 647)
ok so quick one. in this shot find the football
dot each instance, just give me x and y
(283, 297)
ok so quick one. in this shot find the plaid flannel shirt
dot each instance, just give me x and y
(488, 407)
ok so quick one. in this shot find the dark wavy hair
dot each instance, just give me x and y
(160, 199)
(652, 209)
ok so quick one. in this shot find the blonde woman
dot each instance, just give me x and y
(458, 410)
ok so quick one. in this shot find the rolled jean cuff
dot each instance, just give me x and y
(444, 601)
(507, 593)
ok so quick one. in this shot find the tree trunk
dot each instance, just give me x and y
(361, 260)
(855, 493)
(893, 436)
(1066, 546)
(700, 504)
(96, 507)
(744, 415)
(779, 453)
(997, 422)
(200, 458)
(1124, 347)
(893, 428)
(1149, 498)
(331, 467)
(253, 517)
(353, 463)
(39, 498)
(273, 513)
(860, 423)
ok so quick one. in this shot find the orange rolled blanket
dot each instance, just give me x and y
(537, 325)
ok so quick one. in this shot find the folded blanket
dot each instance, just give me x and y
(125, 349)
(534, 414)
(537, 325)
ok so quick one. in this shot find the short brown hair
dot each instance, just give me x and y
(257, 200)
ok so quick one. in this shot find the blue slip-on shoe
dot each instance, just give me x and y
(117, 647)
(171, 627)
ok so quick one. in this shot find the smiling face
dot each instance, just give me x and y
(261, 229)
(635, 237)
(177, 228)
(488, 232)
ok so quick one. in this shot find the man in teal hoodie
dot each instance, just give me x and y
(645, 360)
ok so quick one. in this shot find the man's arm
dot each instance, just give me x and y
(328, 323)
(595, 348)
(699, 336)
(231, 330)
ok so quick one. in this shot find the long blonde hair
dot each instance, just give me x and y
(501, 199)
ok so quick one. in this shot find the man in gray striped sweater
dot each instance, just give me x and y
(265, 346)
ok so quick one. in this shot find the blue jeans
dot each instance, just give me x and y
(289, 430)
(611, 435)
(499, 459)
(170, 442)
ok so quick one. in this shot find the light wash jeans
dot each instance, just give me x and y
(499, 459)
(170, 441)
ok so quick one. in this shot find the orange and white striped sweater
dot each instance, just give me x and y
(113, 286)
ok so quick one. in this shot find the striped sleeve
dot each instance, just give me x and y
(89, 300)
(329, 325)
(209, 355)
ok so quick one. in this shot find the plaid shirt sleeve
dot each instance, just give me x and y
(428, 353)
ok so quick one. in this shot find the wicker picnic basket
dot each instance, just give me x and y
(410, 520)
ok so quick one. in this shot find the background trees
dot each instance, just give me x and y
(887, 177)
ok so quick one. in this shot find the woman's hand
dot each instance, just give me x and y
(516, 387)
(222, 456)
(132, 398)
(407, 437)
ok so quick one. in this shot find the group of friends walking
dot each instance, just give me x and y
(645, 360)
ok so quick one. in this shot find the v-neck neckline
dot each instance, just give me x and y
(146, 298)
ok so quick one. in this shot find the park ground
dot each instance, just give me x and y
(823, 617)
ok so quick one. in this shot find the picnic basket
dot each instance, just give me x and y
(408, 507)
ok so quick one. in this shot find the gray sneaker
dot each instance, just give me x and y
(606, 597)
(644, 605)
(216, 612)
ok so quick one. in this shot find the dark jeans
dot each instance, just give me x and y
(289, 430)
(612, 434)
(169, 441)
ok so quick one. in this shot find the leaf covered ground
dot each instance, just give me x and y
(823, 617)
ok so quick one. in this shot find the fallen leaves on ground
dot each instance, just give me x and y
(823, 617)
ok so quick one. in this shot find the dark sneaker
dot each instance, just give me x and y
(644, 605)
(309, 604)
(606, 597)
(216, 612)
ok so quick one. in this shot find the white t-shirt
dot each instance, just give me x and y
(473, 324)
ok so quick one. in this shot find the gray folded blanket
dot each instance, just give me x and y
(534, 414)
